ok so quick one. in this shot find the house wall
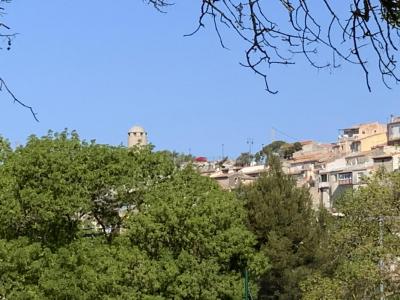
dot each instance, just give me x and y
(396, 162)
(371, 129)
(374, 140)
(325, 198)
(369, 135)
(338, 192)
(386, 163)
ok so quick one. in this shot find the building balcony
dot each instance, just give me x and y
(348, 181)
(352, 138)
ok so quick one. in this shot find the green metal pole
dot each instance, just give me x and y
(246, 285)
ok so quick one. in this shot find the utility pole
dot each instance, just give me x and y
(246, 294)
(250, 142)
(222, 151)
(381, 286)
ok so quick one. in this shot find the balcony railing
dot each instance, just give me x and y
(346, 181)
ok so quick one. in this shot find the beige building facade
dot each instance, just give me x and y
(362, 137)
(137, 136)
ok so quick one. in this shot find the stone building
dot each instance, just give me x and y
(393, 130)
(137, 136)
(361, 138)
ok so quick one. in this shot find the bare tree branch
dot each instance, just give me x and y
(16, 100)
(7, 38)
(368, 33)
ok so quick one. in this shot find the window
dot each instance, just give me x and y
(345, 176)
(324, 178)
(355, 146)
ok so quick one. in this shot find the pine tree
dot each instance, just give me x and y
(287, 230)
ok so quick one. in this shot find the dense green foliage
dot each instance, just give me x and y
(80, 220)
(86, 221)
(391, 12)
(282, 149)
(280, 215)
(244, 159)
(363, 246)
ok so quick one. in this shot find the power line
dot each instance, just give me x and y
(284, 134)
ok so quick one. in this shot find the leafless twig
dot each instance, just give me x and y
(368, 33)
(7, 38)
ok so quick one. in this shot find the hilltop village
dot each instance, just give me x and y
(326, 169)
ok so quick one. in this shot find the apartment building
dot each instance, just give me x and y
(393, 131)
(361, 138)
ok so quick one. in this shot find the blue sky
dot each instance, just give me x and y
(100, 68)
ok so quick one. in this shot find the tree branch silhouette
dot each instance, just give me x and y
(7, 38)
(277, 32)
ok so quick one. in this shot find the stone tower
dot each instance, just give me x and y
(137, 136)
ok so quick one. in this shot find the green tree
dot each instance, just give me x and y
(281, 148)
(117, 178)
(273, 148)
(287, 150)
(287, 231)
(5, 149)
(42, 193)
(362, 247)
(244, 159)
(197, 233)
(21, 265)
(164, 232)
(53, 183)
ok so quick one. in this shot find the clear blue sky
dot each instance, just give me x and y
(100, 67)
